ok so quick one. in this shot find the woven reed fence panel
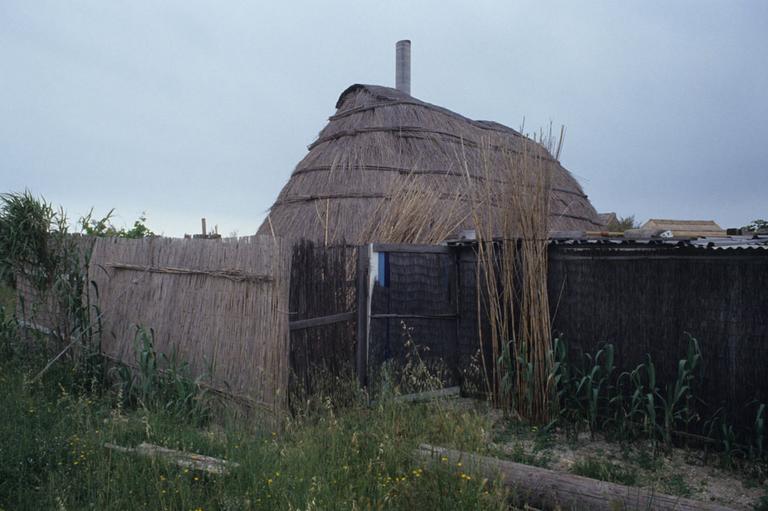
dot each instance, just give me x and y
(323, 283)
(221, 306)
(645, 303)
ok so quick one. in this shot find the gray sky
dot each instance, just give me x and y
(188, 109)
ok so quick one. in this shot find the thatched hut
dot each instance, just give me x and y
(380, 136)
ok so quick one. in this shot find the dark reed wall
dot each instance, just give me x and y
(322, 284)
(646, 300)
(415, 298)
(643, 300)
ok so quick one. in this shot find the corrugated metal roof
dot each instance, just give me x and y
(732, 243)
(575, 239)
(713, 243)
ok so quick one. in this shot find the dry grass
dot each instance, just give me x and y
(415, 213)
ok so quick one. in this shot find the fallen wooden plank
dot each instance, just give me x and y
(183, 459)
(548, 489)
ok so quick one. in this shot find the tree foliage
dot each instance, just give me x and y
(756, 225)
(623, 223)
(103, 227)
(25, 222)
(34, 236)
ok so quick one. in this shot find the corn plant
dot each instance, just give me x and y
(677, 403)
(594, 385)
(160, 382)
(561, 377)
(627, 406)
(718, 428)
(757, 450)
(649, 419)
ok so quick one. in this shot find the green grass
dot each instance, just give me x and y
(675, 484)
(762, 504)
(605, 471)
(529, 444)
(52, 437)
(7, 300)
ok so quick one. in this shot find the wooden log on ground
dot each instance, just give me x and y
(548, 489)
(183, 459)
(430, 395)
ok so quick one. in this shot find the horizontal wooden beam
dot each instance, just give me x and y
(302, 324)
(231, 274)
(411, 249)
(415, 316)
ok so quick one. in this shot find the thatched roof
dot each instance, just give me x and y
(606, 219)
(380, 134)
(684, 228)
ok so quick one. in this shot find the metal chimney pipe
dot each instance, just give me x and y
(403, 66)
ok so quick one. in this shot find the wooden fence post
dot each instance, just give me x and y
(363, 313)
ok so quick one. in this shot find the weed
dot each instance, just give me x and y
(51, 445)
(675, 484)
(762, 504)
(604, 471)
(757, 449)
(643, 458)
(161, 383)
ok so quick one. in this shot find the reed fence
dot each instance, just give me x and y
(220, 306)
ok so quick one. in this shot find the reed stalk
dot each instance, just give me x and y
(512, 225)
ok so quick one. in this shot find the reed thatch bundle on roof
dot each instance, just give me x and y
(383, 144)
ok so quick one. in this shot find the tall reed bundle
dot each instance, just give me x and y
(415, 212)
(512, 226)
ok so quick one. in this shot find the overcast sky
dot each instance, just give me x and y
(189, 109)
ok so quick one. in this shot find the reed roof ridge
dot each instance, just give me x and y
(387, 96)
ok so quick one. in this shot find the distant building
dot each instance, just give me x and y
(682, 228)
(607, 219)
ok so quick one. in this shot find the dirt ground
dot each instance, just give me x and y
(687, 473)
(691, 473)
